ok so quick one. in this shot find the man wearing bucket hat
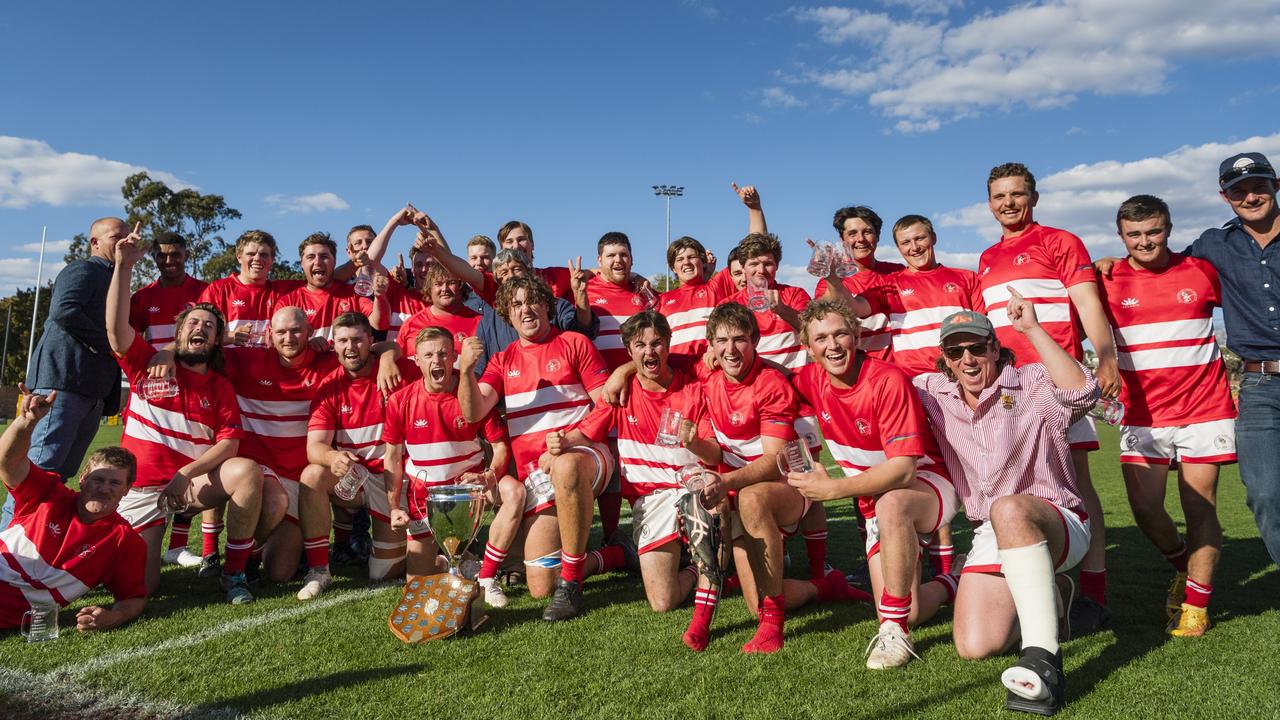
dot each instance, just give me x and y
(1002, 431)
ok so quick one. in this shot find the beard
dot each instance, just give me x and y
(193, 357)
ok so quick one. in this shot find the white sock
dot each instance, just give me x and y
(1029, 572)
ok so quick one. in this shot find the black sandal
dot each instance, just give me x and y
(1048, 668)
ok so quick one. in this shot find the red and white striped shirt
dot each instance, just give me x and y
(1169, 361)
(324, 305)
(547, 387)
(875, 339)
(647, 466)
(352, 409)
(48, 555)
(613, 305)
(439, 444)
(1014, 443)
(166, 433)
(461, 325)
(1040, 264)
(275, 404)
(405, 302)
(154, 308)
(687, 309)
(779, 341)
(919, 300)
(878, 418)
(743, 413)
(244, 304)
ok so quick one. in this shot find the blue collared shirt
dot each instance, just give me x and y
(1250, 276)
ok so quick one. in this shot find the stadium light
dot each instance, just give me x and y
(668, 191)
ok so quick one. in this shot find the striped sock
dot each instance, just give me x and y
(237, 553)
(179, 533)
(815, 545)
(940, 557)
(211, 531)
(1198, 593)
(317, 551)
(608, 558)
(950, 583)
(571, 566)
(895, 609)
(341, 532)
(493, 558)
(698, 635)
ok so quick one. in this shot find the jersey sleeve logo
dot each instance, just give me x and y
(1186, 296)
(1129, 303)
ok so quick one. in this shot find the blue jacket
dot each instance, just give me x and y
(73, 353)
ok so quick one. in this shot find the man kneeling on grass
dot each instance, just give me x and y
(61, 543)
(1002, 430)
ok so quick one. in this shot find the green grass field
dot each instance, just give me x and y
(192, 656)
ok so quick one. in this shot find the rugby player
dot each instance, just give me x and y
(246, 298)
(779, 324)
(859, 229)
(687, 306)
(443, 291)
(323, 298)
(517, 235)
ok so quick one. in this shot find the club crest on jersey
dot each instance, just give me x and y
(1022, 259)
(698, 294)
(1186, 296)
(419, 423)
(460, 337)
(85, 551)
(553, 365)
(863, 426)
(951, 287)
(308, 382)
(154, 308)
(459, 422)
(1007, 402)
(826, 416)
(635, 300)
(1129, 303)
(204, 403)
(344, 306)
(735, 418)
(238, 303)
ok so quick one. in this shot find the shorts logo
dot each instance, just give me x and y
(1022, 259)
(863, 426)
(1222, 442)
(1129, 303)
(1186, 296)
(951, 287)
(735, 418)
(1007, 402)
(553, 366)
(419, 423)
(1131, 442)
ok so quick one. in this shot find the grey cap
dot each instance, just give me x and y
(966, 321)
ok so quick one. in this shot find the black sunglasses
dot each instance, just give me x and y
(955, 352)
(1258, 169)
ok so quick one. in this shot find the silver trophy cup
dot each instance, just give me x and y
(454, 513)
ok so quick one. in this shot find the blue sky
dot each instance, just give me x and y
(323, 115)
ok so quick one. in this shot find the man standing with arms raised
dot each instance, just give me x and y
(1052, 270)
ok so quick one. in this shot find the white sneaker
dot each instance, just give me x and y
(493, 595)
(181, 556)
(315, 582)
(890, 648)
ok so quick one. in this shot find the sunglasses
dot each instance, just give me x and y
(1259, 169)
(955, 352)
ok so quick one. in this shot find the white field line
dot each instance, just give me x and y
(65, 698)
(81, 669)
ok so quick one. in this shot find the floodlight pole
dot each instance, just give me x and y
(668, 192)
(35, 306)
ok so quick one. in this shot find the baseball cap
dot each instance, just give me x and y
(1243, 166)
(966, 321)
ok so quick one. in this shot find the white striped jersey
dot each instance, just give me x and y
(742, 413)
(352, 409)
(153, 308)
(546, 387)
(323, 305)
(687, 309)
(880, 417)
(1169, 361)
(246, 305)
(779, 341)
(47, 554)
(275, 404)
(613, 305)
(405, 302)
(646, 465)
(1040, 264)
(876, 337)
(918, 301)
(439, 445)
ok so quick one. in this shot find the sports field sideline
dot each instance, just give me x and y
(193, 656)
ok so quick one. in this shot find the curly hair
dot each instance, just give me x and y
(819, 309)
(733, 315)
(535, 291)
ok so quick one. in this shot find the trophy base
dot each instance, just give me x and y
(433, 607)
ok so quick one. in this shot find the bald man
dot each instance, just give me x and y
(74, 358)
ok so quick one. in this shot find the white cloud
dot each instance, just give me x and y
(796, 275)
(777, 97)
(1038, 55)
(707, 11)
(20, 273)
(1084, 198)
(966, 260)
(318, 202)
(33, 172)
(926, 7)
(53, 246)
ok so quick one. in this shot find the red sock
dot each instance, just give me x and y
(179, 533)
(833, 587)
(1198, 593)
(949, 583)
(211, 531)
(237, 553)
(341, 533)
(493, 558)
(571, 566)
(815, 544)
(768, 637)
(317, 551)
(1093, 585)
(940, 557)
(608, 558)
(704, 608)
(610, 505)
(896, 609)
(1177, 558)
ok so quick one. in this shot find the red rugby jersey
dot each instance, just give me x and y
(613, 305)
(244, 304)
(48, 555)
(876, 336)
(918, 303)
(352, 408)
(153, 309)
(324, 305)
(779, 341)
(1040, 264)
(1168, 356)
(405, 302)
(763, 404)
(687, 309)
(461, 325)
(439, 444)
